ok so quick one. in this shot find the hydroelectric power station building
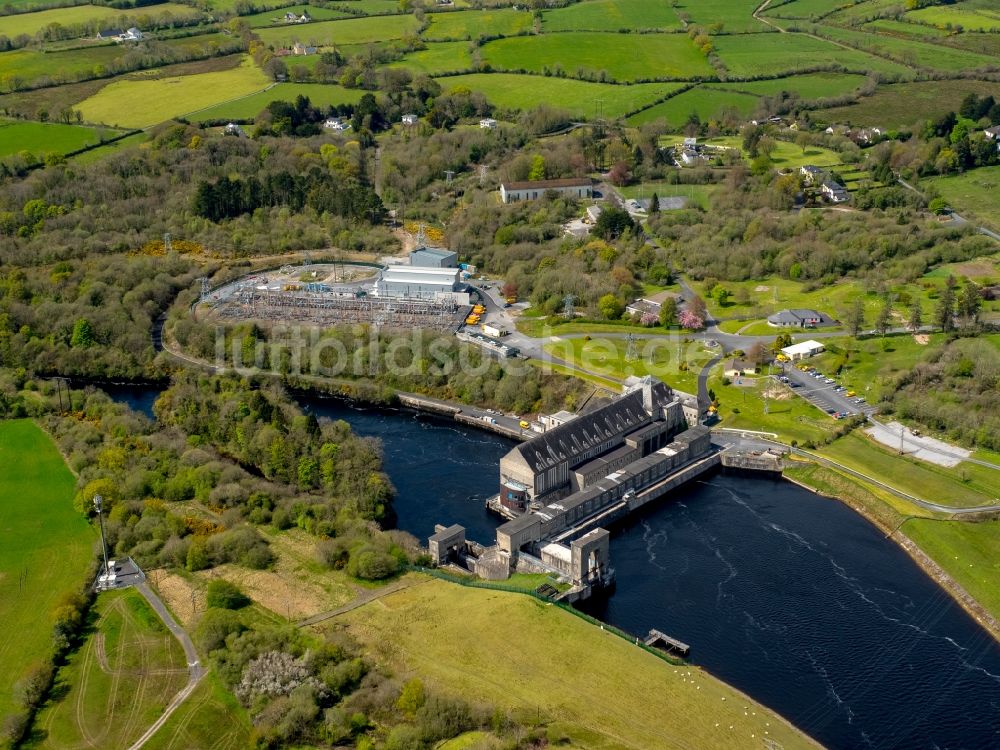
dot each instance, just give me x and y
(558, 489)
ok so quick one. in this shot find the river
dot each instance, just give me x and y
(793, 598)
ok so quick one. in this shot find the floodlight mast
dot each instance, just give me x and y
(99, 507)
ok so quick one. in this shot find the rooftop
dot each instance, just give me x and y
(548, 184)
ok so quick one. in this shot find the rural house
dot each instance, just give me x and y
(799, 318)
(835, 192)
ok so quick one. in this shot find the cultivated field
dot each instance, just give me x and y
(46, 547)
(79, 15)
(348, 31)
(612, 15)
(623, 58)
(118, 683)
(525, 656)
(157, 100)
(41, 138)
(585, 99)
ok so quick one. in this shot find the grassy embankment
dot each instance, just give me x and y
(516, 652)
(46, 548)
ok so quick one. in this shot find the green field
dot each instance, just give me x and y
(808, 86)
(946, 16)
(584, 99)
(437, 58)
(631, 700)
(707, 103)
(276, 17)
(973, 194)
(79, 15)
(912, 52)
(902, 28)
(320, 94)
(154, 101)
(752, 55)
(968, 551)
(119, 681)
(27, 65)
(623, 58)
(337, 33)
(45, 137)
(804, 8)
(698, 195)
(475, 23)
(612, 15)
(46, 550)
(210, 717)
(904, 104)
(665, 357)
(735, 16)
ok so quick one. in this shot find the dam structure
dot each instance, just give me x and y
(559, 489)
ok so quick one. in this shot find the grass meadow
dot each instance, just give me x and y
(903, 104)
(437, 58)
(752, 55)
(41, 138)
(445, 632)
(973, 194)
(275, 17)
(948, 16)
(153, 101)
(807, 86)
(706, 102)
(320, 94)
(612, 15)
(735, 16)
(475, 23)
(624, 58)
(77, 15)
(210, 717)
(46, 549)
(583, 98)
(337, 33)
(117, 683)
(911, 51)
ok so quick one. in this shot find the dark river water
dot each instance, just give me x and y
(792, 598)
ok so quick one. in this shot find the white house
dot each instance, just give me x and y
(487, 123)
(303, 49)
(291, 17)
(409, 119)
(835, 192)
(235, 130)
(574, 187)
(132, 35)
(338, 124)
(993, 133)
(802, 350)
(810, 173)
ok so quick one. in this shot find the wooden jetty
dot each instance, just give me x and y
(664, 641)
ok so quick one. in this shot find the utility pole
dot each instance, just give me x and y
(568, 307)
(630, 351)
(99, 507)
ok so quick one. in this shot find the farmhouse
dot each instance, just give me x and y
(835, 192)
(120, 35)
(303, 49)
(409, 119)
(802, 350)
(291, 17)
(338, 124)
(650, 304)
(487, 123)
(993, 133)
(433, 257)
(234, 130)
(573, 187)
(811, 173)
(105, 34)
(799, 318)
(736, 368)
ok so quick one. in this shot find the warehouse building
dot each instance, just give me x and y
(573, 187)
(414, 282)
(433, 257)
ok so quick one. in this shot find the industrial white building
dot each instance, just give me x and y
(415, 282)
(573, 187)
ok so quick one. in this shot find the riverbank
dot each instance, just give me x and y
(893, 531)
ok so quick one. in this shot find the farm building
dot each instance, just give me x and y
(409, 119)
(291, 17)
(802, 350)
(737, 367)
(811, 173)
(303, 49)
(338, 124)
(993, 133)
(417, 282)
(433, 257)
(487, 123)
(573, 187)
(799, 318)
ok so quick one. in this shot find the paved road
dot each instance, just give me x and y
(954, 216)
(195, 670)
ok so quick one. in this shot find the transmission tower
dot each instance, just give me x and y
(482, 173)
(449, 174)
(204, 286)
(421, 236)
(168, 246)
(631, 353)
(568, 310)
